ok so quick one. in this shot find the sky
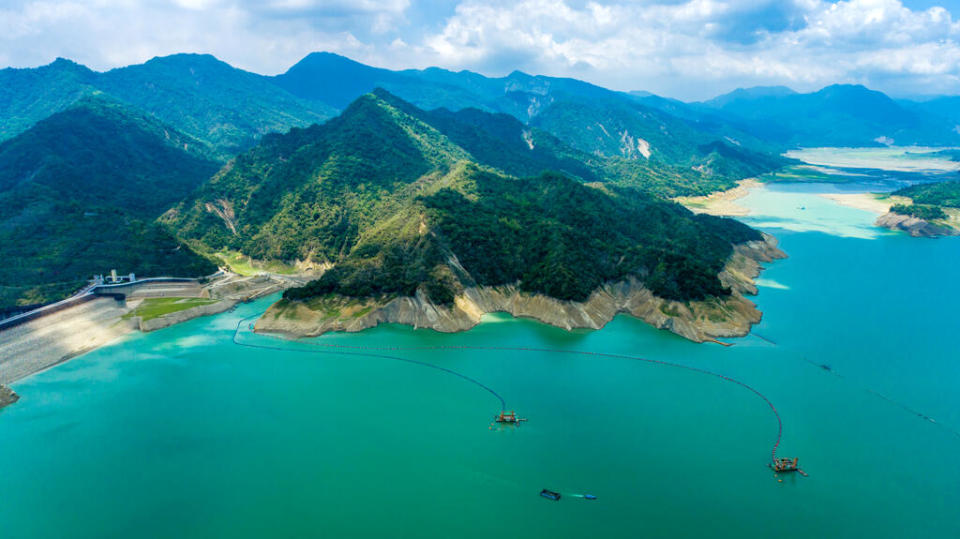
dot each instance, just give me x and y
(688, 49)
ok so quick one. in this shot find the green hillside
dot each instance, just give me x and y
(394, 195)
(230, 109)
(227, 108)
(698, 152)
(930, 201)
(653, 150)
(945, 194)
(30, 95)
(79, 192)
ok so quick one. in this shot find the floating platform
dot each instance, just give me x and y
(555, 496)
(508, 417)
(785, 465)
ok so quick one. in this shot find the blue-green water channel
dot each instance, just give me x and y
(181, 433)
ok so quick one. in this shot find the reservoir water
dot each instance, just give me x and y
(182, 433)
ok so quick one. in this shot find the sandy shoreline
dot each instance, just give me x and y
(722, 203)
(871, 202)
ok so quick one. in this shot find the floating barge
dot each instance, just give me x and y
(508, 417)
(785, 465)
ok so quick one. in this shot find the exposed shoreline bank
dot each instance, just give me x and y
(697, 321)
(722, 203)
(871, 202)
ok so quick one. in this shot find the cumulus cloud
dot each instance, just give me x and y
(685, 48)
(697, 47)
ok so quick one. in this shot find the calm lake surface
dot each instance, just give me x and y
(182, 433)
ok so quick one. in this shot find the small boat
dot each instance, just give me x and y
(589, 497)
(555, 496)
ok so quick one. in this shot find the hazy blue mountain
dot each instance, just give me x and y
(946, 107)
(838, 115)
(749, 94)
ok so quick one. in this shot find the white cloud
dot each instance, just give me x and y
(699, 47)
(687, 48)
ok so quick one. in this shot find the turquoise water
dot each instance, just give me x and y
(181, 433)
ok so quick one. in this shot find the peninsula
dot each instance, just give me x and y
(433, 218)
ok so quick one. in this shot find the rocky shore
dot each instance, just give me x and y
(698, 321)
(914, 226)
(7, 396)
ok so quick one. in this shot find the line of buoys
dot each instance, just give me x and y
(827, 368)
(762, 338)
(236, 334)
(364, 350)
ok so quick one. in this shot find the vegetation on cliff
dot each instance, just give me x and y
(920, 211)
(404, 201)
(946, 194)
(936, 202)
(210, 100)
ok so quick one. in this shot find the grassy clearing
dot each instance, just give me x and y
(244, 265)
(152, 308)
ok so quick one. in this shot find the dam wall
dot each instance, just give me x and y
(42, 342)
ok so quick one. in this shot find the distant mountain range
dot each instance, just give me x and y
(89, 160)
(838, 115)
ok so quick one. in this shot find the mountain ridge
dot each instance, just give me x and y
(395, 207)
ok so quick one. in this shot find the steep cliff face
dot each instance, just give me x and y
(914, 226)
(7, 396)
(698, 321)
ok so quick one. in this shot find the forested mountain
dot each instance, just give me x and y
(336, 81)
(153, 132)
(230, 109)
(404, 200)
(225, 107)
(701, 151)
(30, 95)
(838, 115)
(79, 193)
(629, 131)
(211, 100)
